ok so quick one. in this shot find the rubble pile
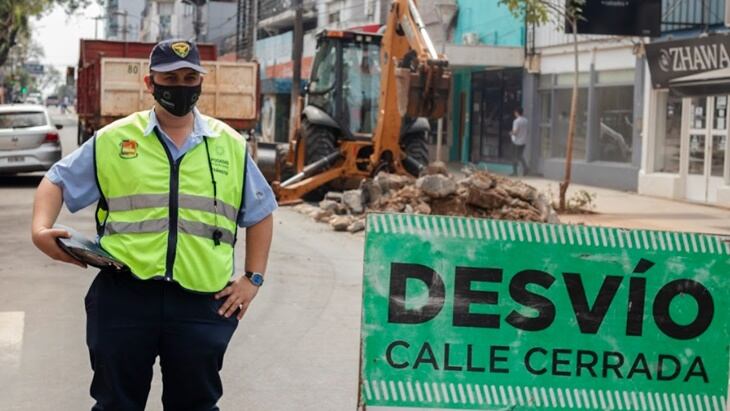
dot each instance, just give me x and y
(479, 194)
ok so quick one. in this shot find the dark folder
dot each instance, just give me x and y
(87, 251)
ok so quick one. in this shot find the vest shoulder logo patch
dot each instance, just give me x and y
(128, 149)
(181, 48)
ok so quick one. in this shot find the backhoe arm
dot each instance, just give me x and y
(416, 80)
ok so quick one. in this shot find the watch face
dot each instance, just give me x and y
(257, 279)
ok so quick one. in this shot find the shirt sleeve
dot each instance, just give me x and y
(74, 174)
(258, 198)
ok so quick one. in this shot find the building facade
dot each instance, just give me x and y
(485, 47)
(123, 19)
(607, 143)
(206, 21)
(685, 121)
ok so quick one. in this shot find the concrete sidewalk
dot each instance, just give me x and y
(630, 210)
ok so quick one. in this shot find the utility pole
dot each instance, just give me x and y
(296, 57)
(247, 27)
(255, 20)
(124, 25)
(198, 20)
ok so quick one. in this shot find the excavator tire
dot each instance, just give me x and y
(415, 145)
(319, 142)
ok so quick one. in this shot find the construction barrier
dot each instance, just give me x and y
(462, 313)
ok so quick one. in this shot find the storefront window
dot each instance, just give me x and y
(697, 154)
(615, 116)
(699, 113)
(566, 79)
(668, 133)
(560, 127)
(720, 115)
(616, 77)
(718, 156)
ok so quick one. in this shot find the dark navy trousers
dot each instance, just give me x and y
(131, 322)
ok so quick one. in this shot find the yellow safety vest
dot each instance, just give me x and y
(161, 217)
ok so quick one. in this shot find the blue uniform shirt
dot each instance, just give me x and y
(75, 174)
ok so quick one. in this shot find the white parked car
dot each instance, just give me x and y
(29, 141)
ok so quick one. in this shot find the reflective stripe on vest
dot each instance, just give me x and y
(162, 226)
(160, 216)
(140, 201)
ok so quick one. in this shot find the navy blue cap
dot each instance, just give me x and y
(171, 55)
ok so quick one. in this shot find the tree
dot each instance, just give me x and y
(561, 13)
(15, 16)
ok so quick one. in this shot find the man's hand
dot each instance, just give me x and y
(239, 294)
(45, 240)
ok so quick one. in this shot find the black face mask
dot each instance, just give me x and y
(178, 100)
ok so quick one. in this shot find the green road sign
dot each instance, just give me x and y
(463, 313)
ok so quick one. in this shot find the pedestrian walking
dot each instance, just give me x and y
(64, 104)
(172, 186)
(519, 138)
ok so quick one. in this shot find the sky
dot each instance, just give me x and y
(59, 34)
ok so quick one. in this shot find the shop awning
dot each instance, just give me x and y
(709, 83)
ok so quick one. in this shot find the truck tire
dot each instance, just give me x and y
(319, 142)
(415, 146)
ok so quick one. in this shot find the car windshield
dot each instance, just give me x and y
(22, 119)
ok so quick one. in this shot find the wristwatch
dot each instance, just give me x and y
(256, 279)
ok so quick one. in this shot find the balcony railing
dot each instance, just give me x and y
(691, 14)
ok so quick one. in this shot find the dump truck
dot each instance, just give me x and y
(111, 85)
(367, 107)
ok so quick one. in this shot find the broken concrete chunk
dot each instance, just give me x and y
(436, 185)
(521, 190)
(352, 199)
(479, 181)
(392, 182)
(357, 225)
(334, 196)
(323, 216)
(422, 208)
(437, 167)
(328, 205)
(485, 199)
(371, 192)
(340, 222)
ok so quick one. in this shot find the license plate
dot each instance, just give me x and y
(16, 159)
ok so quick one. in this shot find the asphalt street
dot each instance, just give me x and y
(296, 348)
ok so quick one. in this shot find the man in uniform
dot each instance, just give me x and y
(172, 186)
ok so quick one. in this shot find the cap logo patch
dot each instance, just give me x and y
(181, 48)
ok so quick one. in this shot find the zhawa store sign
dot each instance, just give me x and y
(670, 60)
(463, 313)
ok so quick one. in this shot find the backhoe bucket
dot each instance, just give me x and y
(423, 92)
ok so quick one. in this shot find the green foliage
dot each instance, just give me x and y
(15, 16)
(541, 12)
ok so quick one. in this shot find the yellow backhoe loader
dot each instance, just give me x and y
(367, 107)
